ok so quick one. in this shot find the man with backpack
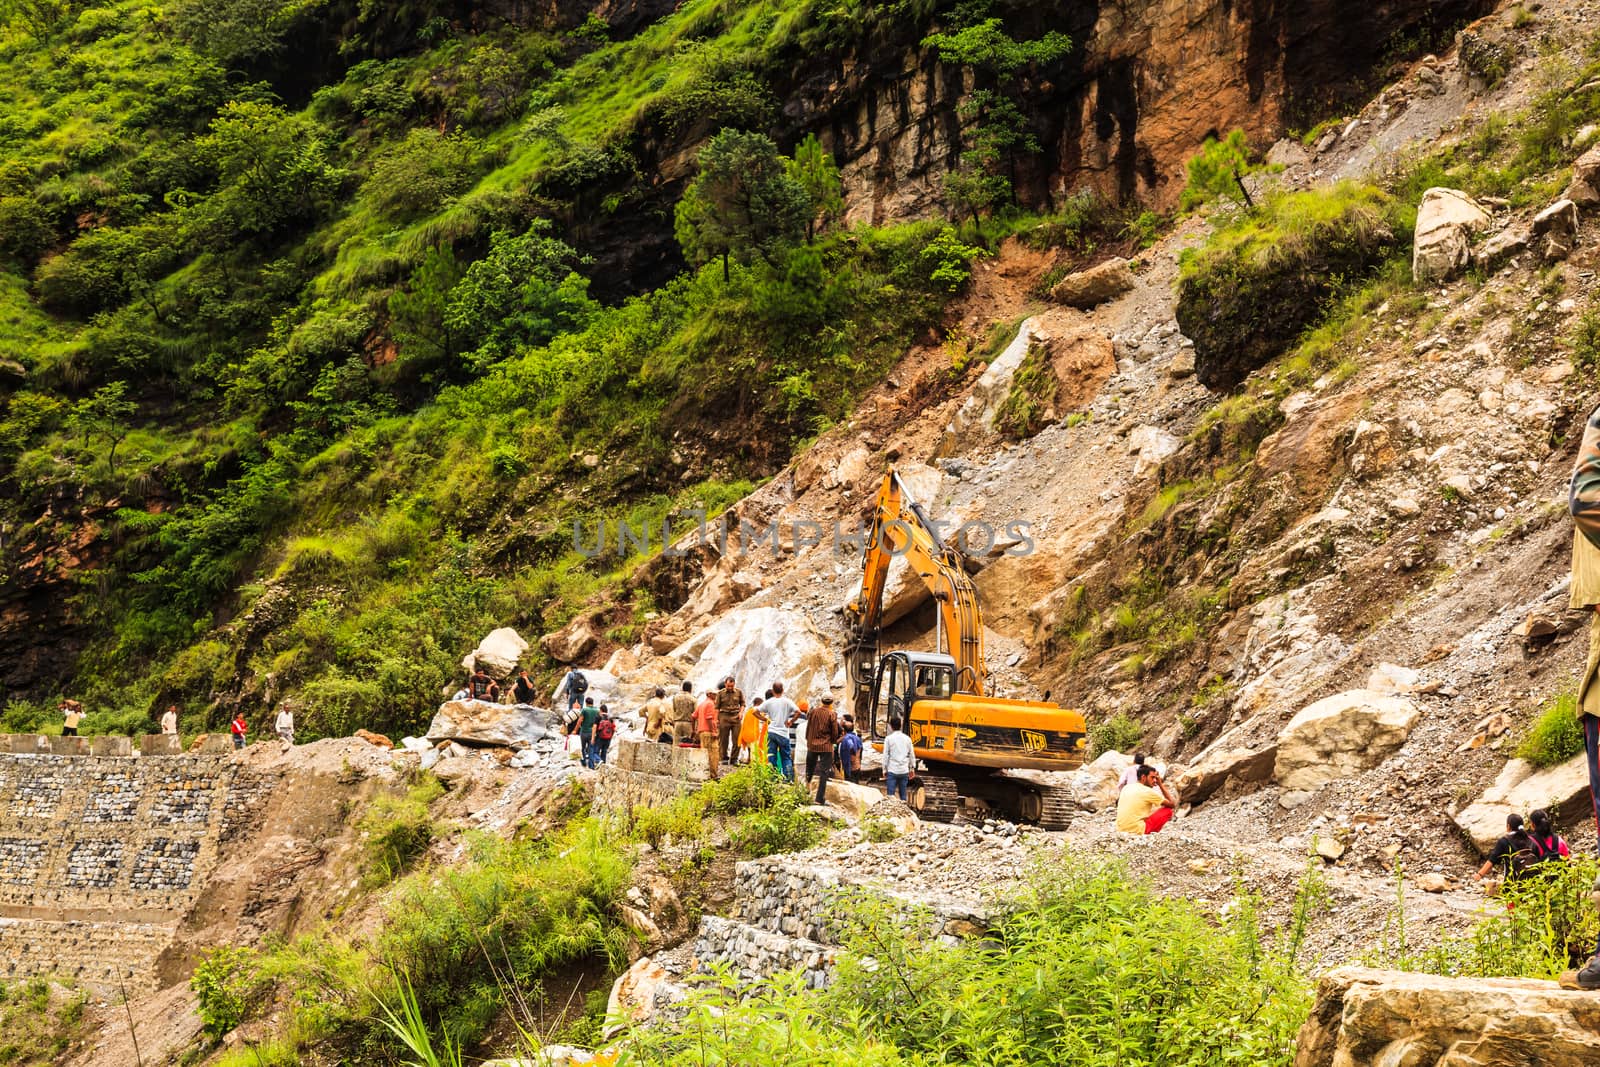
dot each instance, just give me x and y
(849, 752)
(574, 685)
(586, 727)
(605, 728)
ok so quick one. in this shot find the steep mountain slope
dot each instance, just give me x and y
(304, 381)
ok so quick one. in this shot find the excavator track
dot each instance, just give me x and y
(934, 799)
(1057, 806)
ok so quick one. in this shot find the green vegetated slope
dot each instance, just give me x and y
(301, 373)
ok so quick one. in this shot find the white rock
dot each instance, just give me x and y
(1447, 219)
(1340, 736)
(759, 646)
(498, 653)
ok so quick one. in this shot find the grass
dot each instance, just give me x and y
(1555, 735)
(1088, 965)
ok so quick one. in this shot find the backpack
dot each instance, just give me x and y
(605, 729)
(1524, 859)
(577, 684)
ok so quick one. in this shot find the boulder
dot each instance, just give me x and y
(573, 641)
(1584, 188)
(1364, 1016)
(759, 646)
(374, 739)
(1519, 788)
(1447, 220)
(1151, 445)
(1342, 735)
(478, 722)
(633, 994)
(1063, 372)
(1555, 230)
(1216, 767)
(723, 587)
(497, 654)
(1102, 282)
(1507, 244)
(852, 797)
(1096, 783)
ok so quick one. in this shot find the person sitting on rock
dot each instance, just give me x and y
(1146, 805)
(1552, 846)
(480, 685)
(523, 689)
(1517, 854)
(1130, 775)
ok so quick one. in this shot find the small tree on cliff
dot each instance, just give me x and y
(105, 415)
(996, 129)
(1218, 172)
(816, 172)
(742, 203)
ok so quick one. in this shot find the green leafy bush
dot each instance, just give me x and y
(786, 825)
(1555, 736)
(1259, 281)
(398, 830)
(1120, 733)
(227, 985)
(1089, 967)
(1534, 928)
(948, 260)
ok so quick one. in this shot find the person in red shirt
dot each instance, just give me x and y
(238, 727)
(705, 725)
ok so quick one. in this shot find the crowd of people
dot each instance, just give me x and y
(734, 731)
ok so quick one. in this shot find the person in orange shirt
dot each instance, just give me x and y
(705, 724)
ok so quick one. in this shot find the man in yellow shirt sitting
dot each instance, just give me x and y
(1146, 805)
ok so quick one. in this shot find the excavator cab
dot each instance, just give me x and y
(901, 680)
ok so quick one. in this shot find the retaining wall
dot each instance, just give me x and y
(102, 855)
(647, 774)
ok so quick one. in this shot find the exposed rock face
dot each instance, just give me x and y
(478, 722)
(1519, 788)
(1420, 1020)
(1342, 735)
(1447, 220)
(759, 646)
(1102, 282)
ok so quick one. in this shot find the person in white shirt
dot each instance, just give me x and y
(169, 720)
(899, 758)
(781, 713)
(285, 726)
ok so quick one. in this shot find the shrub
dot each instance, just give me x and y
(421, 173)
(399, 829)
(948, 260)
(1555, 736)
(1090, 967)
(786, 825)
(1120, 733)
(1258, 282)
(1535, 928)
(226, 983)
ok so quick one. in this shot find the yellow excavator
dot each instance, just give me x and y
(967, 739)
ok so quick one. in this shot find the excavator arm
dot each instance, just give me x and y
(901, 528)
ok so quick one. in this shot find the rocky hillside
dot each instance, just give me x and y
(323, 323)
(1365, 504)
